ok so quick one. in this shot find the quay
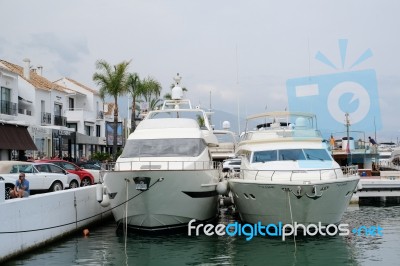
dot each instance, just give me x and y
(29, 223)
(383, 188)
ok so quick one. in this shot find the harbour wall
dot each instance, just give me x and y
(28, 223)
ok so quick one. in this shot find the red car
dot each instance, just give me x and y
(85, 176)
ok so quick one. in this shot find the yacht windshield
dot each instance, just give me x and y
(163, 148)
(317, 154)
(291, 155)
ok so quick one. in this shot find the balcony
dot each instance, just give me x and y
(80, 114)
(46, 118)
(8, 108)
(60, 120)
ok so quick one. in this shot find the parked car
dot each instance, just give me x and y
(73, 179)
(38, 181)
(92, 167)
(85, 177)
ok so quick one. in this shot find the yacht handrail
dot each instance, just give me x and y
(160, 165)
(347, 171)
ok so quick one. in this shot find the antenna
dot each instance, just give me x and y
(237, 85)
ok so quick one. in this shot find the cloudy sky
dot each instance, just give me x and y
(244, 52)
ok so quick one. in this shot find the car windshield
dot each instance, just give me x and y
(25, 168)
(163, 148)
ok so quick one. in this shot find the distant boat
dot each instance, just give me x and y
(287, 173)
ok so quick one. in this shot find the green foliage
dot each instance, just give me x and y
(113, 81)
(101, 156)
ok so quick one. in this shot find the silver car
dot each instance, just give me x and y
(38, 181)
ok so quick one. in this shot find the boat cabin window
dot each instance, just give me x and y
(291, 155)
(265, 156)
(163, 148)
(317, 154)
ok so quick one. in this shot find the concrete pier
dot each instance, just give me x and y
(28, 223)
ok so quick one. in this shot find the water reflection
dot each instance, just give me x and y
(105, 247)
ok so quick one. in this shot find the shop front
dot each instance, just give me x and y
(42, 137)
(64, 144)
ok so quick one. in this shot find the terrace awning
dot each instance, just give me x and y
(15, 137)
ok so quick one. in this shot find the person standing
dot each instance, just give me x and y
(332, 142)
(21, 188)
(374, 144)
(372, 141)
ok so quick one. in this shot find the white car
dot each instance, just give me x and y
(38, 181)
(73, 179)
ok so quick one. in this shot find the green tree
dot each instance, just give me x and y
(112, 81)
(135, 88)
(151, 89)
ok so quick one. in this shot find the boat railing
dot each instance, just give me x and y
(293, 175)
(161, 165)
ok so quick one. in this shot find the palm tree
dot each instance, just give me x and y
(155, 103)
(167, 96)
(151, 89)
(113, 82)
(135, 88)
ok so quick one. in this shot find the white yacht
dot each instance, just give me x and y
(165, 176)
(287, 174)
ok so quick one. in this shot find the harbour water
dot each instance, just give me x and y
(104, 246)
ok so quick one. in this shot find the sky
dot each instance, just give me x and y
(242, 53)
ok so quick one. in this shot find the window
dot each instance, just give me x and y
(57, 109)
(5, 94)
(317, 154)
(25, 168)
(98, 130)
(88, 129)
(42, 168)
(56, 169)
(264, 156)
(42, 106)
(163, 148)
(71, 103)
(68, 166)
(291, 155)
(73, 125)
(5, 101)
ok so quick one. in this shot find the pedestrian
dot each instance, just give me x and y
(21, 188)
(372, 141)
(332, 142)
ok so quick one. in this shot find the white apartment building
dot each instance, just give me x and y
(64, 118)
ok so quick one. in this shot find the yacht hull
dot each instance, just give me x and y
(173, 198)
(322, 201)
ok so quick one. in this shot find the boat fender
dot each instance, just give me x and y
(222, 187)
(99, 192)
(105, 202)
